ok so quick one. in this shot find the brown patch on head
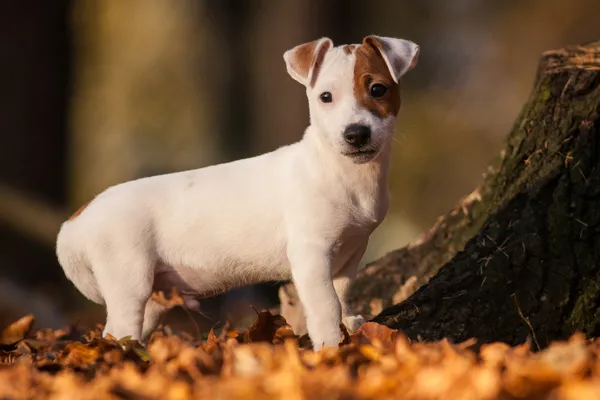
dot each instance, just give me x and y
(370, 68)
(79, 211)
(349, 48)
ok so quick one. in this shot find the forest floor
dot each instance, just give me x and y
(267, 361)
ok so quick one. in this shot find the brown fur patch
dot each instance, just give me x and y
(370, 68)
(79, 211)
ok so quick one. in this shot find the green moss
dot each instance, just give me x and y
(538, 101)
(584, 316)
(544, 93)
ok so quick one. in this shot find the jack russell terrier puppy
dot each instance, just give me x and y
(303, 212)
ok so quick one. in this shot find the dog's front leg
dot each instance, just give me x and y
(311, 273)
(342, 281)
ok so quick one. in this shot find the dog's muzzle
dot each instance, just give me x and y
(358, 138)
(357, 135)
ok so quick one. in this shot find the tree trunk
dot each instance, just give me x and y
(532, 268)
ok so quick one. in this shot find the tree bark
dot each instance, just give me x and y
(532, 269)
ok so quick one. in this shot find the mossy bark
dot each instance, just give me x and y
(394, 277)
(530, 266)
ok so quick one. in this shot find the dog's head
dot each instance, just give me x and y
(353, 90)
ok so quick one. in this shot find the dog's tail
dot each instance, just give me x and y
(71, 258)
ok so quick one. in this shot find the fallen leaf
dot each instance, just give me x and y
(172, 300)
(212, 342)
(16, 331)
(77, 354)
(264, 328)
(282, 333)
(377, 363)
(372, 332)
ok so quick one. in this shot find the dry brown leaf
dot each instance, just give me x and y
(173, 299)
(77, 354)
(16, 331)
(579, 390)
(378, 363)
(212, 342)
(282, 334)
(372, 332)
(264, 328)
(494, 354)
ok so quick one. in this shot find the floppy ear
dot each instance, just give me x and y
(399, 55)
(304, 61)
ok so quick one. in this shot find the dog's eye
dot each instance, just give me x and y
(378, 90)
(326, 97)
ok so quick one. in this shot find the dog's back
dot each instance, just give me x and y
(184, 222)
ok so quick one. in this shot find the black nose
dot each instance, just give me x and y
(357, 135)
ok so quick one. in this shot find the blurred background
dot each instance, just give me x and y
(96, 92)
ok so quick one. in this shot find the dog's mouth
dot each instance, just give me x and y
(361, 155)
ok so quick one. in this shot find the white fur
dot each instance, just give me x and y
(302, 212)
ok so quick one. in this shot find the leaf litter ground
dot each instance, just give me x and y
(267, 361)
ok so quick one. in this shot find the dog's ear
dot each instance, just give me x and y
(304, 61)
(399, 55)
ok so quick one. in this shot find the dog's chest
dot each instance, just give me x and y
(364, 212)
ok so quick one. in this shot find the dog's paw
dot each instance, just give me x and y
(353, 322)
(332, 339)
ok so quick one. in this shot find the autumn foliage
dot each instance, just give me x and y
(267, 361)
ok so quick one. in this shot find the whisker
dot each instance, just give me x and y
(395, 139)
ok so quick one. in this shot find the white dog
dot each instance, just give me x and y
(303, 212)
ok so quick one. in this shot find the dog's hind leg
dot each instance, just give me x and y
(152, 315)
(126, 284)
